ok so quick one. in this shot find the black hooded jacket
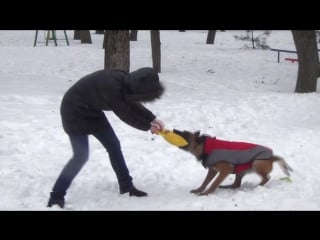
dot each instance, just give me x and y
(110, 90)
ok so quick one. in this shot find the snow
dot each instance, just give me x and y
(224, 90)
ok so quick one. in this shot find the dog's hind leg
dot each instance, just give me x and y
(263, 169)
(224, 170)
(210, 175)
(237, 181)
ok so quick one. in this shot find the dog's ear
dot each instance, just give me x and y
(198, 139)
(197, 133)
(177, 131)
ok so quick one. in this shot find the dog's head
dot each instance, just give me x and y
(195, 142)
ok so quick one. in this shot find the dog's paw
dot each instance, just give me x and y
(195, 191)
(226, 186)
(203, 194)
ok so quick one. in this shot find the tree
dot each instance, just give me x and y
(308, 60)
(318, 35)
(76, 35)
(256, 41)
(156, 50)
(211, 36)
(133, 35)
(117, 49)
(85, 36)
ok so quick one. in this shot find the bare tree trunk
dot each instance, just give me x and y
(133, 35)
(85, 36)
(76, 35)
(211, 36)
(117, 50)
(252, 39)
(156, 50)
(308, 60)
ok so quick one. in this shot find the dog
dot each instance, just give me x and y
(226, 157)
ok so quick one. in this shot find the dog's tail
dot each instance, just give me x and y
(283, 165)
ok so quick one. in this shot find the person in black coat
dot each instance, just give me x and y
(82, 115)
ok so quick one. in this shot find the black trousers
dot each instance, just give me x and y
(80, 147)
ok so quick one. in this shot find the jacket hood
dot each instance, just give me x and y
(143, 85)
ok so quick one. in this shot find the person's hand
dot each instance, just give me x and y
(154, 129)
(158, 123)
(156, 126)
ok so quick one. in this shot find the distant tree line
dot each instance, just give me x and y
(117, 51)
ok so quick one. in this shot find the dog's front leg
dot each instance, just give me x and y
(210, 175)
(237, 181)
(224, 170)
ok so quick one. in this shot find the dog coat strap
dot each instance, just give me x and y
(203, 157)
(242, 167)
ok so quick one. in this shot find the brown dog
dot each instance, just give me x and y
(225, 157)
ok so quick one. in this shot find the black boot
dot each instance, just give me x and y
(56, 199)
(134, 192)
(137, 193)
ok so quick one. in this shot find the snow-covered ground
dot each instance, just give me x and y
(225, 90)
